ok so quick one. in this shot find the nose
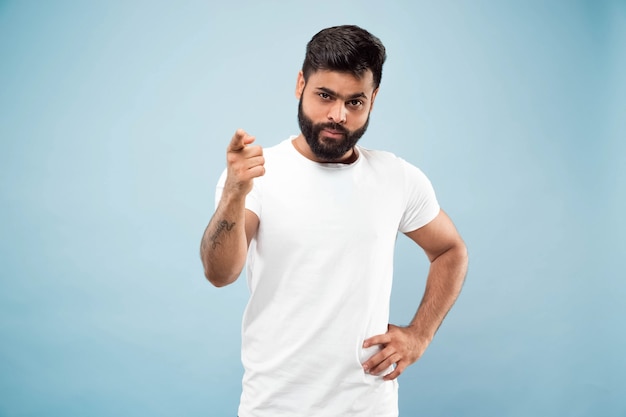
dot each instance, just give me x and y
(338, 112)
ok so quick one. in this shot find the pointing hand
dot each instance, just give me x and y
(244, 162)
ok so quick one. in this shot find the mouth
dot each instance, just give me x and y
(333, 134)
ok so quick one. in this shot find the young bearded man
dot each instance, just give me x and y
(316, 218)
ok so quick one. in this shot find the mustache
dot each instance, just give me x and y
(333, 126)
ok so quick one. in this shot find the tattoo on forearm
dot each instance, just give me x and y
(221, 226)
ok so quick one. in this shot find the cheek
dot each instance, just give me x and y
(357, 120)
(315, 113)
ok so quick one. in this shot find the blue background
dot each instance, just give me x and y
(114, 118)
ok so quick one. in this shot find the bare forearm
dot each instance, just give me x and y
(444, 283)
(224, 243)
(448, 265)
(224, 246)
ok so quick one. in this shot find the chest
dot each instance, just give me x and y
(317, 205)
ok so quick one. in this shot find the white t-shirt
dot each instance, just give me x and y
(320, 272)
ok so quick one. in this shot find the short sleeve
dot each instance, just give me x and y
(219, 189)
(421, 202)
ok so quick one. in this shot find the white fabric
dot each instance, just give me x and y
(320, 272)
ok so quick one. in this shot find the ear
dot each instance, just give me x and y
(300, 83)
(374, 93)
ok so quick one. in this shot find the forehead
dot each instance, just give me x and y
(342, 82)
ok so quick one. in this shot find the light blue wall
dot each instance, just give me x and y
(114, 117)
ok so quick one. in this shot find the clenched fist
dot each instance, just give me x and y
(244, 162)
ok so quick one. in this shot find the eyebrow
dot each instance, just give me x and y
(346, 98)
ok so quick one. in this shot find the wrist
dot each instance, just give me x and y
(421, 333)
(233, 196)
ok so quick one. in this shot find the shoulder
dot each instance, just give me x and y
(376, 154)
(280, 147)
(389, 161)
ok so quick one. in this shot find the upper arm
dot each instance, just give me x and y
(252, 225)
(438, 236)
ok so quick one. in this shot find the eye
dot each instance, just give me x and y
(355, 103)
(324, 96)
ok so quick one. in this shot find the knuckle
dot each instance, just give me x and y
(231, 157)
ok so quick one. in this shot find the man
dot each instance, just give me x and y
(316, 217)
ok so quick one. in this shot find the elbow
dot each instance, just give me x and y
(456, 253)
(454, 258)
(219, 280)
(463, 253)
(221, 271)
(219, 283)
(462, 257)
(216, 281)
(460, 250)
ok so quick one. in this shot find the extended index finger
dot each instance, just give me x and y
(239, 141)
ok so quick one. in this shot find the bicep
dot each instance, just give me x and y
(437, 237)
(252, 225)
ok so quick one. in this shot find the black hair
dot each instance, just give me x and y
(346, 48)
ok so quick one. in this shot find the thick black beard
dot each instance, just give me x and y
(326, 149)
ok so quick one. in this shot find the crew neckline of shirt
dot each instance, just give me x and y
(326, 165)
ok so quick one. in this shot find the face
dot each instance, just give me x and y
(333, 113)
